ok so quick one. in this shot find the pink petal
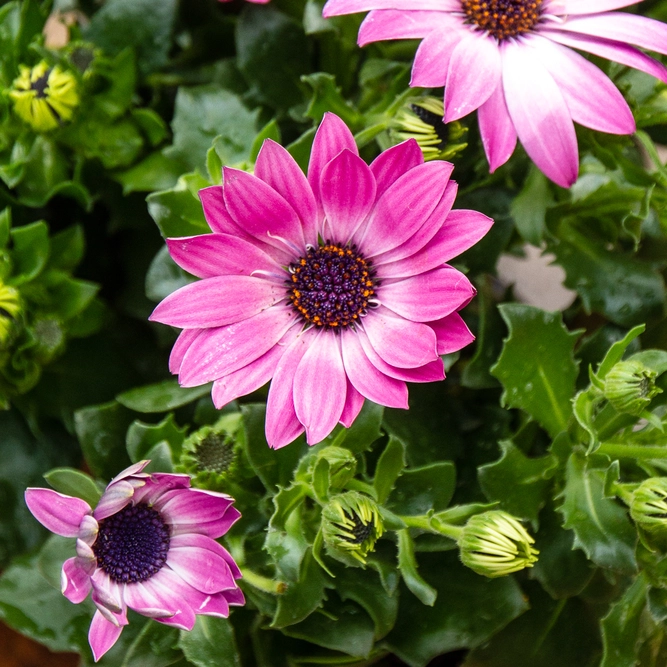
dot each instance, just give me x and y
(282, 424)
(496, 129)
(433, 57)
(452, 333)
(116, 496)
(218, 352)
(189, 507)
(260, 211)
(214, 529)
(234, 597)
(404, 207)
(201, 568)
(158, 484)
(74, 581)
(591, 97)
(616, 51)
(102, 635)
(367, 379)
(320, 386)
(88, 530)
(392, 24)
(210, 255)
(277, 167)
(332, 137)
(173, 594)
(183, 343)
(428, 296)
(340, 7)
(354, 401)
(59, 513)
(398, 341)
(540, 115)
(391, 164)
(592, 6)
(347, 189)
(138, 597)
(461, 230)
(218, 301)
(230, 570)
(473, 74)
(214, 605)
(216, 212)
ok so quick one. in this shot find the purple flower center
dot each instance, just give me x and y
(503, 18)
(132, 544)
(361, 531)
(331, 286)
(40, 85)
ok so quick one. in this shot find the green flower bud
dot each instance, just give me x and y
(44, 97)
(629, 386)
(342, 465)
(648, 505)
(421, 119)
(10, 307)
(213, 455)
(351, 525)
(495, 544)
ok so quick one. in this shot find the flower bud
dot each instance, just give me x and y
(10, 307)
(212, 455)
(421, 118)
(648, 505)
(495, 544)
(44, 97)
(342, 465)
(629, 386)
(351, 525)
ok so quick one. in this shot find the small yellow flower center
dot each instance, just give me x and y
(503, 18)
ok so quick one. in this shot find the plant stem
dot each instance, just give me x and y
(432, 525)
(621, 451)
(263, 583)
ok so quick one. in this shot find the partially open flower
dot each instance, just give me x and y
(351, 525)
(495, 544)
(421, 118)
(342, 465)
(44, 97)
(10, 307)
(648, 506)
(149, 545)
(630, 386)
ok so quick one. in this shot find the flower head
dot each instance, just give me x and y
(149, 545)
(512, 60)
(420, 118)
(335, 285)
(630, 386)
(495, 544)
(10, 307)
(342, 465)
(648, 506)
(351, 525)
(44, 96)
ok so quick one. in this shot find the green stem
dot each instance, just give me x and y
(620, 451)
(606, 426)
(263, 583)
(358, 485)
(432, 525)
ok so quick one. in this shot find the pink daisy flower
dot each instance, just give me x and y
(513, 61)
(148, 545)
(335, 285)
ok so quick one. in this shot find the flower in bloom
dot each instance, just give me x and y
(44, 96)
(335, 285)
(512, 60)
(148, 545)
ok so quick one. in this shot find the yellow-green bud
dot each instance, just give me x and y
(342, 465)
(421, 118)
(495, 544)
(629, 386)
(648, 505)
(351, 525)
(44, 97)
(10, 307)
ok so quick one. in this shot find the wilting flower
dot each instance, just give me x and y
(351, 525)
(495, 544)
(44, 96)
(420, 118)
(148, 545)
(335, 285)
(630, 386)
(512, 60)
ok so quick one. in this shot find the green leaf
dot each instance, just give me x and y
(389, 467)
(617, 350)
(537, 368)
(138, 24)
(67, 248)
(407, 565)
(425, 488)
(161, 397)
(326, 97)
(302, 597)
(469, 610)
(71, 297)
(164, 276)
(154, 646)
(655, 359)
(601, 526)
(155, 172)
(520, 484)
(622, 628)
(141, 437)
(300, 149)
(101, 431)
(270, 131)
(211, 643)
(364, 431)
(151, 124)
(529, 207)
(30, 251)
(75, 483)
(583, 408)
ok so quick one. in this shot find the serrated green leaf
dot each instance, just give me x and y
(141, 437)
(583, 408)
(326, 97)
(161, 397)
(520, 484)
(529, 207)
(211, 643)
(601, 526)
(424, 488)
(537, 367)
(390, 465)
(74, 483)
(617, 350)
(407, 565)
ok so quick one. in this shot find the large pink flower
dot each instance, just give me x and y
(335, 285)
(149, 545)
(512, 60)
